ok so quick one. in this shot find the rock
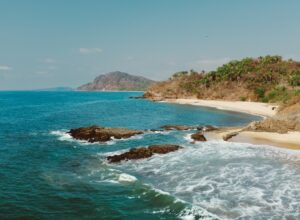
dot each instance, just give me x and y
(137, 97)
(154, 130)
(163, 148)
(198, 136)
(210, 128)
(101, 134)
(228, 136)
(140, 153)
(178, 127)
(200, 128)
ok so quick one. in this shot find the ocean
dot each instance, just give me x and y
(45, 174)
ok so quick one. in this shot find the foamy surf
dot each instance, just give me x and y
(63, 135)
(231, 180)
(124, 177)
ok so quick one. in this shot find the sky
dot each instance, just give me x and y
(50, 43)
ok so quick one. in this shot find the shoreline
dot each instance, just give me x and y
(290, 140)
(253, 108)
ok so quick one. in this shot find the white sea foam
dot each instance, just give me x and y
(107, 181)
(124, 177)
(193, 212)
(65, 136)
(231, 180)
(188, 138)
(161, 132)
(62, 135)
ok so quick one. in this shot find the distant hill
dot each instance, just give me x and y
(117, 81)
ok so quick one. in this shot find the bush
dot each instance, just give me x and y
(243, 98)
(279, 93)
(295, 79)
(179, 74)
(297, 92)
(260, 92)
(265, 99)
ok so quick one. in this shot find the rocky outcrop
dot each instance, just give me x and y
(140, 153)
(207, 128)
(178, 127)
(275, 125)
(199, 136)
(230, 135)
(287, 119)
(101, 134)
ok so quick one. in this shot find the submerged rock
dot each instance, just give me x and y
(137, 97)
(101, 134)
(199, 136)
(178, 127)
(140, 153)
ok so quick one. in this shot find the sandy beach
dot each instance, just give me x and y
(254, 108)
(290, 140)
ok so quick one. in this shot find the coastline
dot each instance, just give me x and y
(290, 140)
(253, 108)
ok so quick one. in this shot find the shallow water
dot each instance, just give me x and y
(45, 174)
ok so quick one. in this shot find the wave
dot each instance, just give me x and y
(231, 180)
(124, 177)
(63, 135)
(165, 202)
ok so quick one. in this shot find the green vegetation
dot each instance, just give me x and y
(260, 92)
(295, 78)
(243, 98)
(265, 79)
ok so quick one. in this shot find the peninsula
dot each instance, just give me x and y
(268, 86)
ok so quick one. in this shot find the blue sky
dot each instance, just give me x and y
(48, 43)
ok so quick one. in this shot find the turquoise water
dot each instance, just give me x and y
(45, 174)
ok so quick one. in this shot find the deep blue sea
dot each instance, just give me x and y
(45, 174)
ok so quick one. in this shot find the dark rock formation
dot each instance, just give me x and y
(178, 127)
(101, 134)
(210, 128)
(140, 153)
(199, 136)
(230, 135)
(207, 128)
(137, 97)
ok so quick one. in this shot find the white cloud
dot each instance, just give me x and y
(5, 68)
(84, 50)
